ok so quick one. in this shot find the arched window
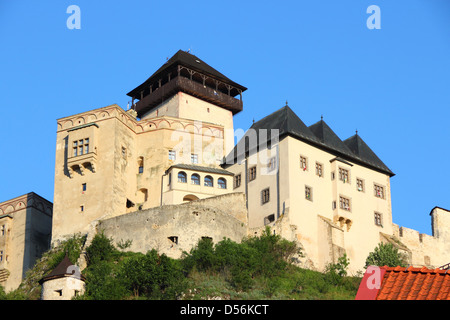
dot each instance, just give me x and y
(209, 181)
(141, 165)
(222, 183)
(195, 179)
(182, 177)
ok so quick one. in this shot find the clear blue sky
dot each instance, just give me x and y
(391, 84)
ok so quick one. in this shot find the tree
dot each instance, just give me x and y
(385, 254)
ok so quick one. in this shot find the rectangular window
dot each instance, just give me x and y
(81, 208)
(75, 148)
(343, 175)
(265, 196)
(319, 169)
(2, 230)
(272, 164)
(83, 187)
(172, 155)
(378, 191)
(344, 203)
(1, 256)
(378, 219)
(86, 145)
(308, 193)
(194, 158)
(360, 185)
(303, 163)
(80, 147)
(252, 173)
(237, 181)
(124, 152)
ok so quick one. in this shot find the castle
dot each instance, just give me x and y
(166, 172)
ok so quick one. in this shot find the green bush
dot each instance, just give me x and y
(385, 254)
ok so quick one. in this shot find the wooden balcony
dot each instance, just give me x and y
(191, 87)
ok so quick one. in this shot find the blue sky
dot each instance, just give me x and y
(391, 84)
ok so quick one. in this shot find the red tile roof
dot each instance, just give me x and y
(410, 283)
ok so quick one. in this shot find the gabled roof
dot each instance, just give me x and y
(188, 60)
(410, 283)
(365, 154)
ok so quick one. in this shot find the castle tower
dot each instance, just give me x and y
(62, 283)
(186, 87)
(167, 149)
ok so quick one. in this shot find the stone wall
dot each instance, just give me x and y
(173, 229)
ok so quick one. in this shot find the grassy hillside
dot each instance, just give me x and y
(258, 268)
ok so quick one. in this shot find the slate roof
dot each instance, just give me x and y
(188, 60)
(201, 169)
(362, 151)
(61, 270)
(353, 149)
(410, 283)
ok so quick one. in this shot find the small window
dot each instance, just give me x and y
(172, 155)
(209, 181)
(252, 173)
(343, 175)
(378, 219)
(173, 239)
(222, 183)
(378, 191)
(141, 165)
(1, 256)
(81, 208)
(319, 169)
(344, 203)
(83, 187)
(182, 177)
(194, 158)
(303, 163)
(237, 181)
(272, 164)
(269, 219)
(195, 179)
(124, 152)
(265, 196)
(360, 185)
(2, 230)
(308, 193)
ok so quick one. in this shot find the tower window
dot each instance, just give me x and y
(81, 208)
(80, 147)
(83, 187)
(172, 155)
(141, 165)
(194, 158)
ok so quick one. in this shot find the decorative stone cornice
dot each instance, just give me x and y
(28, 200)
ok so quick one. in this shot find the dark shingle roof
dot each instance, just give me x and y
(64, 268)
(363, 153)
(327, 136)
(201, 169)
(188, 60)
(319, 134)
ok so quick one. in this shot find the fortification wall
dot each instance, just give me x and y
(173, 229)
(426, 250)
